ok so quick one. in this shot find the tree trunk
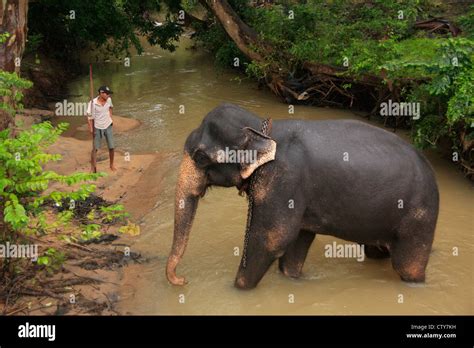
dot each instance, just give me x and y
(13, 20)
(244, 36)
(251, 45)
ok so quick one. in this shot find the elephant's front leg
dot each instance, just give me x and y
(259, 259)
(273, 228)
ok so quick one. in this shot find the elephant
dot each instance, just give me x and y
(343, 178)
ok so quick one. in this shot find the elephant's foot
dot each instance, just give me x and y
(242, 284)
(410, 258)
(411, 271)
(257, 264)
(410, 268)
(418, 278)
(291, 270)
(376, 252)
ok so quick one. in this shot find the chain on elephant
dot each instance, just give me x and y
(266, 130)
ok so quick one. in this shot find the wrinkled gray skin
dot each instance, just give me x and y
(342, 178)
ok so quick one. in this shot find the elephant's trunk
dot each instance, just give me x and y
(191, 185)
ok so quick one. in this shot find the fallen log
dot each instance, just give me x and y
(438, 24)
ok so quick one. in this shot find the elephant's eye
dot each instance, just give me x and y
(201, 159)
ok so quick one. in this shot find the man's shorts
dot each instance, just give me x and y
(101, 133)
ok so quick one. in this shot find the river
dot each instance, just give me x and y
(154, 89)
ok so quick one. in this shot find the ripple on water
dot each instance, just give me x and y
(155, 122)
(415, 285)
(317, 276)
(186, 71)
(156, 107)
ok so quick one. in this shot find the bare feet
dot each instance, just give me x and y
(111, 158)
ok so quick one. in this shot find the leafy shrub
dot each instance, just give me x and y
(23, 179)
(448, 96)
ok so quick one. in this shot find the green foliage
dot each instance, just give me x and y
(327, 32)
(4, 37)
(65, 216)
(90, 232)
(52, 260)
(376, 38)
(113, 213)
(320, 31)
(215, 40)
(34, 42)
(189, 5)
(23, 179)
(466, 23)
(410, 57)
(256, 69)
(11, 86)
(448, 96)
(117, 25)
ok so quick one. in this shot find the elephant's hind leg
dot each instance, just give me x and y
(410, 261)
(291, 263)
(411, 250)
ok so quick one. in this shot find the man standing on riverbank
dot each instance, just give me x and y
(99, 118)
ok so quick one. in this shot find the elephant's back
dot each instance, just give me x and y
(358, 153)
(355, 176)
(356, 143)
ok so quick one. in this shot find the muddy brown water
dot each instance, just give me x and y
(152, 90)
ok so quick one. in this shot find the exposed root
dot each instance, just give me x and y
(76, 280)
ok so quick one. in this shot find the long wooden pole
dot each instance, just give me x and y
(91, 84)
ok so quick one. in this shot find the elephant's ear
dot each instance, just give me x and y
(264, 147)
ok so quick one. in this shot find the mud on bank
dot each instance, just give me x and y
(88, 281)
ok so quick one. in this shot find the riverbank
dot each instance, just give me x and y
(89, 279)
(130, 184)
